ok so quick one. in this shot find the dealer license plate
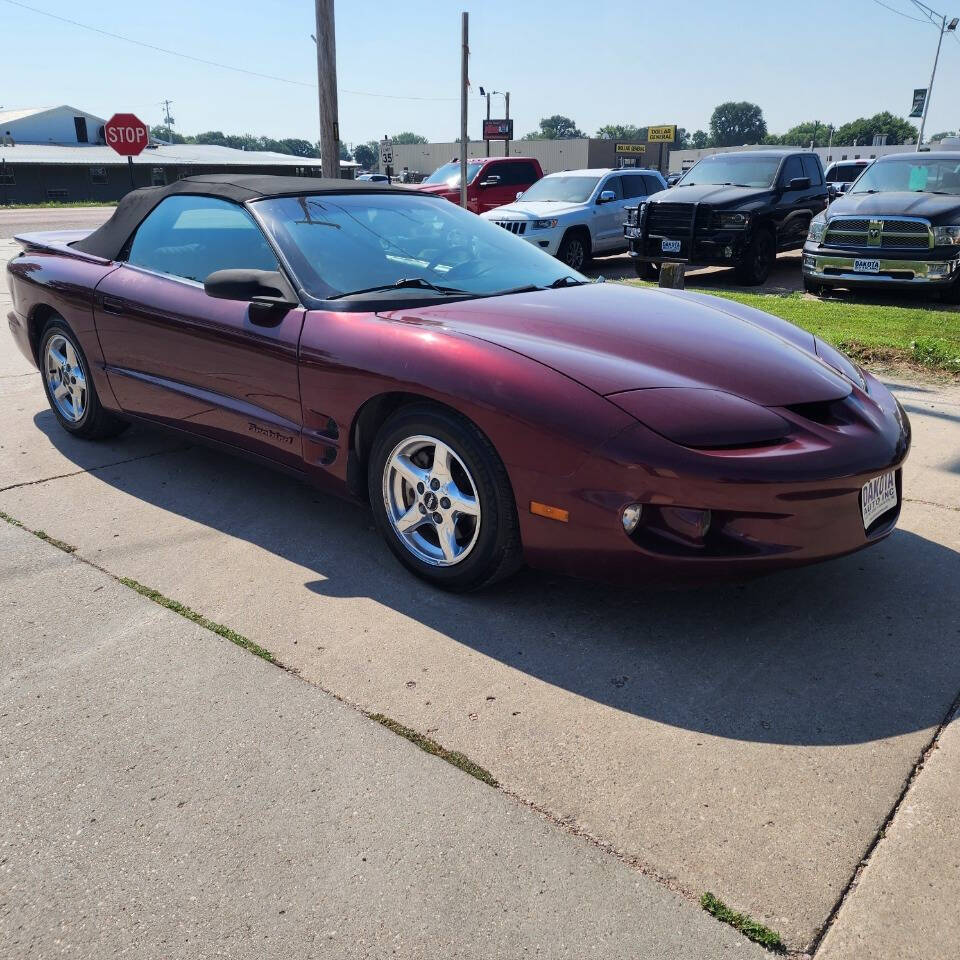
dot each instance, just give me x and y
(877, 497)
(866, 266)
(672, 246)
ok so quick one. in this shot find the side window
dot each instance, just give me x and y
(653, 184)
(192, 237)
(811, 169)
(517, 174)
(501, 170)
(634, 185)
(613, 183)
(791, 169)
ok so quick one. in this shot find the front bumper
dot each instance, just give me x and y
(832, 266)
(716, 248)
(546, 240)
(771, 508)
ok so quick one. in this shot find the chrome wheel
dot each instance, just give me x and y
(431, 501)
(575, 254)
(66, 378)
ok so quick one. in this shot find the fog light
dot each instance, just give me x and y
(939, 269)
(631, 516)
(809, 263)
(728, 252)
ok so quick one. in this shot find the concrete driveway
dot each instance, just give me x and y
(752, 740)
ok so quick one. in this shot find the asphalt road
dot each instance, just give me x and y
(750, 740)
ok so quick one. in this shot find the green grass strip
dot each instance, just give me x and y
(435, 750)
(752, 930)
(53, 541)
(199, 619)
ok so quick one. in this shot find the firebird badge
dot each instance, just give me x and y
(268, 433)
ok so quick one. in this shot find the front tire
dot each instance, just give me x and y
(574, 249)
(758, 259)
(442, 500)
(69, 386)
(646, 270)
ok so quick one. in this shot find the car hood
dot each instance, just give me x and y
(439, 188)
(534, 210)
(896, 203)
(714, 194)
(612, 338)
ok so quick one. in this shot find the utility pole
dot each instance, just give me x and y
(167, 119)
(464, 84)
(488, 117)
(506, 107)
(327, 89)
(944, 28)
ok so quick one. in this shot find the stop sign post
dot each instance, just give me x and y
(128, 135)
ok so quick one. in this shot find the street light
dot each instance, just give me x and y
(945, 27)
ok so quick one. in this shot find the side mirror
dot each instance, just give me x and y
(844, 187)
(606, 196)
(490, 181)
(265, 287)
(519, 194)
(799, 183)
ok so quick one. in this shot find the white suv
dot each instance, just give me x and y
(577, 213)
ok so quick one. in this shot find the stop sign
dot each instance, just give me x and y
(126, 134)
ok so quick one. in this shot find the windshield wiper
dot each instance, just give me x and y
(566, 281)
(419, 283)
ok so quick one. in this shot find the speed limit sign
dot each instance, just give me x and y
(386, 152)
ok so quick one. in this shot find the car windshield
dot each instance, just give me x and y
(912, 174)
(744, 171)
(344, 244)
(560, 188)
(449, 173)
(844, 172)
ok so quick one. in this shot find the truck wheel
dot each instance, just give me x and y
(575, 249)
(758, 259)
(647, 271)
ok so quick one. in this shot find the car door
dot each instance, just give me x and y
(796, 207)
(607, 218)
(221, 368)
(636, 188)
(498, 184)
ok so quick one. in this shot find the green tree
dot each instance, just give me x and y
(803, 133)
(863, 130)
(622, 131)
(557, 127)
(700, 140)
(167, 133)
(735, 123)
(937, 137)
(408, 137)
(367, 154)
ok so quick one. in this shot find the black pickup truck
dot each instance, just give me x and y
(898, 226)
(732, 210)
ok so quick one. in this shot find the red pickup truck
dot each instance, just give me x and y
(491, 181)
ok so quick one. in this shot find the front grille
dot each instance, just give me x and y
(887, 233)
(671, 219)
(514, 226)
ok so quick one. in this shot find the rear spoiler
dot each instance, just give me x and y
(57, 241)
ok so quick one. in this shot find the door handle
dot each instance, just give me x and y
(113, 305)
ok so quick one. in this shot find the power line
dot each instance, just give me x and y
(882, 4)
(213, 63)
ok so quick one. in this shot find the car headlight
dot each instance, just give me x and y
(818, 229)
(947, 236)
(544, 224)
(734, 221)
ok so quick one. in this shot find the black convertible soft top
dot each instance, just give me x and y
(107, 241)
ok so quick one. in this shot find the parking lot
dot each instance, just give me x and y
(754, 740)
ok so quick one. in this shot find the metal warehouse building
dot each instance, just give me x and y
(58, 153)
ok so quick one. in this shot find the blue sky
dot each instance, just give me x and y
(603, 62)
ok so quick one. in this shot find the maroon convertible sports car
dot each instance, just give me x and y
(492, 406)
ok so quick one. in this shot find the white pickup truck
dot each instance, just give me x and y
(577, 213)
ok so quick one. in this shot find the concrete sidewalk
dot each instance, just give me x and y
(166, 794)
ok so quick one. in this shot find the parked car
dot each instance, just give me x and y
(841, 174)
(491, 181)
(374, 177)
(490, 404)
(897, 226)
(673, 179)
(730, 209)
(577, 213)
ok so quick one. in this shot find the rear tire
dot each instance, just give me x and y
(68, 384)
(758, 259)
(574, 249)
(442, 500)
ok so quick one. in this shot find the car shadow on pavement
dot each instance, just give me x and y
(850, 651)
